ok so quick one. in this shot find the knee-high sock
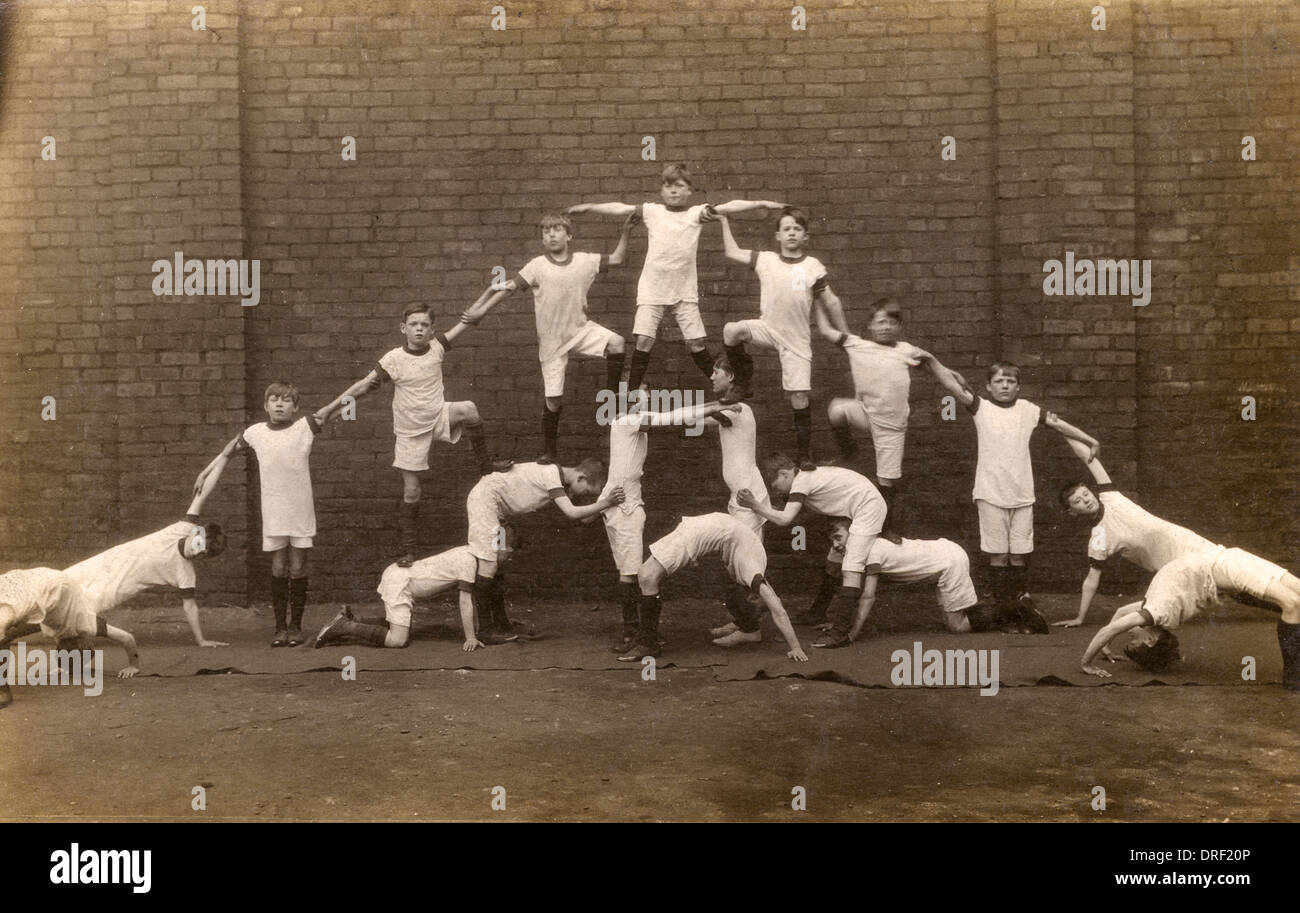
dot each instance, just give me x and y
(1288, 640)
(841, 610)
(280, 601)
(1017, 581)
(297, 600)
(746, 618)
(614, 369)
(704, 362)
(499, 616)
(803, 432)
(408, 521)
(825, 593)
(478, 441)
(374, 634)
(649, 609)
(551, 431)
(629, 597)
(636, 373)
(742, 365)
(482, 596)
(845, 441)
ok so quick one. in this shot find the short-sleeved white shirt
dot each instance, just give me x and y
(628, 445)
(836, 492)
(1125, 529)
(1004, 475)
(1181, 589)
(786, 291)
(284, 475)
(673, 237)
(560, 297)
(713, 534)
(418, 395)
(526, 487)
(882, 378)
(49, 598)
(111, 578)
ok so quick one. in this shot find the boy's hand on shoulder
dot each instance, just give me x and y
(632, 220)
(616, 495)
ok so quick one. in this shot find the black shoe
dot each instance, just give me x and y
(833, 643)
(1030, 620)
(295, 638)
(496, 638)
(334, 629)
(636, 651)
(281, 638)
(623, 645)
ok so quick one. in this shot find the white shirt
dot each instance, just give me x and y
(560, 297)
(836, 492)
(913, 559)
(111, 578)
(283, 472)
(739, 443)
(1181, 589)
(1004, 476)
(428, 576)
(49, 598)
(627, 451)
(882, 377)
(786, 291)
(418, 395)
(669, 275)
(1143, 538)
(526, 487)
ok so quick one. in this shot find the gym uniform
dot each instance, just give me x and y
(110, 578)
(525, 488)
(420, 410)
(560, 306)
(713, 534)
(625, 523)
(787, 288)
(882, 380)
(836, 492)
(668, 277)
(401, 586)
(1004, 475)
(916, 560)
(49, 598)
(288, 511)
(1125, 529)
(739, 442)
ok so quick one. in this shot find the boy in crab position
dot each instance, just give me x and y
(696, 537)
(1185, 586)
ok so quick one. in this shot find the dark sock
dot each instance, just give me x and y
(840, 612)
(981, 617)
(280, 601)
(1288, 641)
(482, 596)
(628, 599)
(551, 431)
(742, 365)
(845, 441)
(297, 601)
(742, 613)
(649, 610)
(375, 635)
(803, 433)
(1017, 582)
(825, 593)
(499, 616)
(479, 443)
(893, 510)
(704, 361)
(614, 370)
(408, 523)
(636, 373)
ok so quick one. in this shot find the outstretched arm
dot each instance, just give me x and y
(783, 517)
(573, 512)
(954, 383)
(124, 640)
(1126, 618)
(729, 245)
(1087, 591)
(490, 298)
(1056, 423)
(619, 253)
(617, 210)
(782, 622)
(1084, 452)
(732, 207)
(687, 415)
(828, 302)
(207, 480)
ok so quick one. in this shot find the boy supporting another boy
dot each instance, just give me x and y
(1004, 482)
(882, 382)
(523, 489)
(790, 284)
(668, 277)
(560, 279)
(694, 538)
(1185, 586)
(833, 492)
(283, 450)
(421, 413)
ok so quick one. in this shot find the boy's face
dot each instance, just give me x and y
(885, 328)
(839, 537)
(791, 236)
(1145, 636)
(675, 192)
(582, 489)
(418, 329)
(1083, 503)
(1004, 387)
(721, 380)
(782, 482)
(195, 545)
(555, 238)
(280, 408)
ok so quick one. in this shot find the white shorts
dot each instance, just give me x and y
(649, 316)
(484, 525)
(626, 534)
(888, 443)
(412, 450)
(956, 591)
(589, 342)
(676, 550)
(399, 588)
(1237, 571)
(796, 369)
(1006, 530)
(856, 551)
(275, 543)
(747, 516)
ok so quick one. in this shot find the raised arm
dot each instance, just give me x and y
(1084, 452)
(1126, 618)
(729, 245)
(782, 621)
(619, 254)
(732, 207)
(617, 210)
(954, 383)
(1058, 424)
(573, 512)
(829, 302)
(490, 298)
(207, 479)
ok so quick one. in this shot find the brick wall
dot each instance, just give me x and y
(1123, 142)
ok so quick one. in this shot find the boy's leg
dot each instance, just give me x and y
(840, 612)
(408, 518)
(734, 337)
(1029, 618)
(649, 608)
(615, 357)
(802, 413)
(1288, 641)
(466, 415)
(846, 416)
(692, 327)
(644, 330)
(279, 587)
(550, 430)
(299, 562)
(629, 599)
(345, 625)
(626, 535)
(816, 614)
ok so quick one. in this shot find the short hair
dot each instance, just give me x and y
(678, 172)
(889, 305)
(417, 309)
(841, 523)
(800, 217)
(774, 463)
(214, 540)
(281, 390)
(1006, 367)
(723, 362)
(1157, 657)
(551, 219)
(1069, 488)
(594, 470)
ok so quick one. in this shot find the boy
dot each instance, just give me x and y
(668, 277)
(915, 561)
(694, 538)
(790, 284)
(833, 492)
(282, 447)
(1121, 529)
(162, 558)
(524, 488)
(882, 383)
(421, 414)
(400, 587)
(1185, 586)
(1004, 482)
(560, 279)
(625, 522)
(43, 599)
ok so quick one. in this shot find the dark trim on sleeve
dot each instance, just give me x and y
(821, 285)
(443, 341)
(1106, 486)
(101, 627)
(381, 373)
(603, 265)
(872, 570)
(191, 518)
(188, 592)
(1042, 416)
(1146, 616)
(974, 404)
(313, 424)
(639, 210)
(521, 283)
(1099, 565)
(797, 496)
(753, 259)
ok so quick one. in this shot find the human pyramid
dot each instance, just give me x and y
(1190, 571)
